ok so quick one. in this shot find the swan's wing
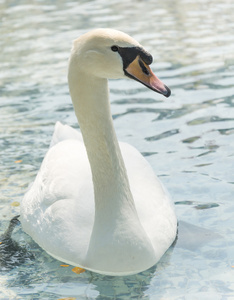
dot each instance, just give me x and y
(58, 209)
(64, 132)
(153, 204)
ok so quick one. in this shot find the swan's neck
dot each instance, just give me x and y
(92, 107)
(117, 231)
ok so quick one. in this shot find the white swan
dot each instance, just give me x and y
(95, 202)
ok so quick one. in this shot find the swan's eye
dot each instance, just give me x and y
(114, 48)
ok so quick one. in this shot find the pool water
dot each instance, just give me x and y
(188, 138)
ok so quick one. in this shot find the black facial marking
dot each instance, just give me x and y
(128, 55)
(143, 68)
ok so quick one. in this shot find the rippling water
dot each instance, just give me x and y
(188, 138)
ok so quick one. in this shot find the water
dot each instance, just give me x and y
(188, 138)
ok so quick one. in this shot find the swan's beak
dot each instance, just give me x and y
(141, 72)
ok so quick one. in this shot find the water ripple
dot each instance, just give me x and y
(187, 138)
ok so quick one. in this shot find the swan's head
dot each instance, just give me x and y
(112, 54)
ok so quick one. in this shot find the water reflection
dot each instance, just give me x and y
(45, 277)
(188, 139)
(136, 286)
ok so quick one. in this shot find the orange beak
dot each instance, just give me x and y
(141, 72)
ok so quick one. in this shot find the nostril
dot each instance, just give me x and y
(143, 67)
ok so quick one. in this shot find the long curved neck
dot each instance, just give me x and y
(92, 107)
(117, 231)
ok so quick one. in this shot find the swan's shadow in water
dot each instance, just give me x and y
(192, 237)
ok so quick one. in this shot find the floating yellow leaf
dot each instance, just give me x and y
(68, 298)
(18, 161)
(64, 266)
(78, 270)
(15, 203)
(0, 243)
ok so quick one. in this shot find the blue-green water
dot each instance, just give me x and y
(188, 138)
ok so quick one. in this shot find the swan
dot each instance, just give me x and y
(96, 202)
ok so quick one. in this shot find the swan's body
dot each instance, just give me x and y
(95, 202)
